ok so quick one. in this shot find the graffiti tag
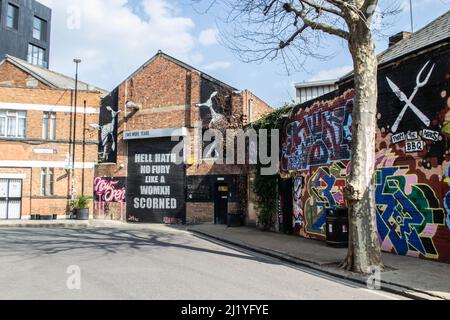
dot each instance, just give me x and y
(409, 212)
(107, 191)
(319, 138)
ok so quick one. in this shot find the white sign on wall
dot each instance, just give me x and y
(44, 151)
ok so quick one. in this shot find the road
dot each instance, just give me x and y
(157, 262)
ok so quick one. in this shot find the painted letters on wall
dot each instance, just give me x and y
(109, 197)
(318, 137)
(412, 173)
(156, 182)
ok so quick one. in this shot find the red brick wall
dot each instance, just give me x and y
(12, 76)
(23, 150)
(167, 95)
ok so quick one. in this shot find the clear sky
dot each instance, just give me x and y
(115, 37)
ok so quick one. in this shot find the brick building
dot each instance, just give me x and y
(166, 98)
(36, 117)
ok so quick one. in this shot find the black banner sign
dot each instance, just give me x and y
(156, 183)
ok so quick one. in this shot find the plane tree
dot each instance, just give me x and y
(296, 29)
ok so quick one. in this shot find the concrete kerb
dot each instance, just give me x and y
(49, 224)
(385, 286)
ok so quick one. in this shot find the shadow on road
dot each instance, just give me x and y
(105, 241)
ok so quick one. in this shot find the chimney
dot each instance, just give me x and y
(399, 37)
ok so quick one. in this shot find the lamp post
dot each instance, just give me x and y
(77, 62)
(84, 148)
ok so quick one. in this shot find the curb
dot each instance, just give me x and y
(386, 286)
(46, 225)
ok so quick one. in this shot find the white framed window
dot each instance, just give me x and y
(51, 182)
(47, 182)
(43, 181)
(45, 126)
(13, 124)
(49, 126)
(52, 133)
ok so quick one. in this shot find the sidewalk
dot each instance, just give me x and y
(43, 224)
(408, 276)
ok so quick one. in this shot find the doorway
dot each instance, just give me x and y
(10, 199)
(221, 203)
(286, 187)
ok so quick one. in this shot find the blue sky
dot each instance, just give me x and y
(114, 37)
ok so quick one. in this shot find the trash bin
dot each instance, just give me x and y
(235, 220)
(337, 227)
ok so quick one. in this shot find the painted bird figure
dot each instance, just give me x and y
(218, 121)
(107, 131)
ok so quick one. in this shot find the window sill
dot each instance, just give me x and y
(12, 139)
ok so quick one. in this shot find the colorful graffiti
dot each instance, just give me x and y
(447, 196)
(299, 215)
(325, 189)
(321, 137)
(409, 213)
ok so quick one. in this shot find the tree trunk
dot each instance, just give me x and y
(364, 247)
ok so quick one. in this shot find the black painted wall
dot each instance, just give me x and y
(170, 207)
(201, 188)
(111, 100)
(15, 42)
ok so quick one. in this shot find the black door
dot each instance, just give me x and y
(286, 192)
(221, 203)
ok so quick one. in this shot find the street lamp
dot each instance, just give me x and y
(77, 62)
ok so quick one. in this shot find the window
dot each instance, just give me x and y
(43, 182)
(47, 176)
(49, 126)
(36, 56)
(12, 17)
(12, 124)
(51, 183)
(39, 29)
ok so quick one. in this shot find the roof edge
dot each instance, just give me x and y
(179, 63)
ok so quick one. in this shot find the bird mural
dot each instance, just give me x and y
(218, 121)
(107, 131)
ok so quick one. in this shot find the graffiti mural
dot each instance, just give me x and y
(109, 197)
(447, 196)
(409, 101)
(299, 215)
(320, 137)
(409, 212)
(107, 127)
(412, 171)
(325, 189)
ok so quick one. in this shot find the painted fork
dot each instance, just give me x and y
(419, 84)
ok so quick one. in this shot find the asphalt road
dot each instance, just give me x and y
(155, 263)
